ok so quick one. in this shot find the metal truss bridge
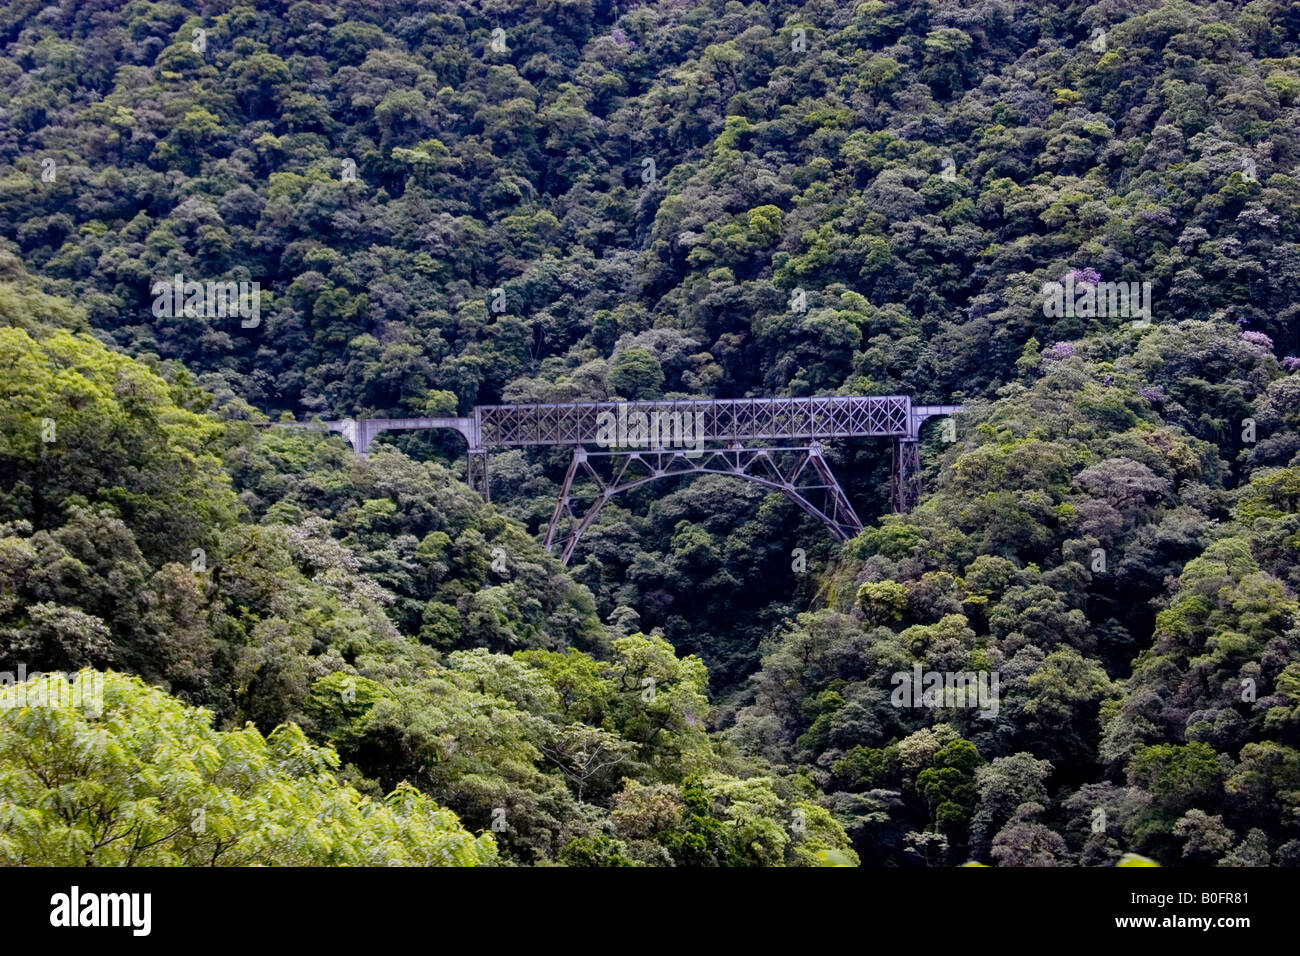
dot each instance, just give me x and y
(775, 442)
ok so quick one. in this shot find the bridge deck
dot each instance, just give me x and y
(691, 420)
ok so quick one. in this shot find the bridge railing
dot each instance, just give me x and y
(740, 419)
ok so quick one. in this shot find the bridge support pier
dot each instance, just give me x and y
(906, 475)
(359, 434)
(477, 472)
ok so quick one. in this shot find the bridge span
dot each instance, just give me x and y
(638, 442)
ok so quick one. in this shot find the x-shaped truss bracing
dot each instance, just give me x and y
(800, 473)
(720, 419)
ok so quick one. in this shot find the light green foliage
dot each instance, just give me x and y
(148, 782)
(79, 420)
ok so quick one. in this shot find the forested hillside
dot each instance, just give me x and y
(471, 202)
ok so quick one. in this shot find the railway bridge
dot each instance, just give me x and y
(776, 442)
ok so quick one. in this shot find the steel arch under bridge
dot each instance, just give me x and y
(639, 442)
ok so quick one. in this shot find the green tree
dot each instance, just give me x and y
(146, 781)
(636, 375)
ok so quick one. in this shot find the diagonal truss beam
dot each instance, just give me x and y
(799, 472)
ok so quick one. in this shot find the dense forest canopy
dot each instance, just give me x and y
(445, 204)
